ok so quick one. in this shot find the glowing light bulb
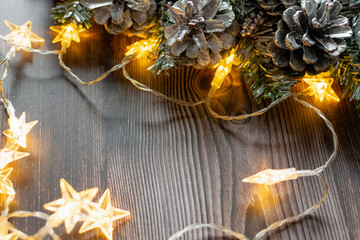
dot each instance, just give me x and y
(102, 216)
(72, 207)
(66, 34)
(141, 47)
(4, 230)
(22, 35)
(320, 85)
(223, 69)
(7, 156)
(18, 130)
(6, 186)
(271, 176)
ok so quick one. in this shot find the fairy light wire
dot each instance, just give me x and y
(316, 172)
(126, 60)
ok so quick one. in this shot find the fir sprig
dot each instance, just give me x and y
(265, 79)
(347, 70)
(164, 60)
(72, 11)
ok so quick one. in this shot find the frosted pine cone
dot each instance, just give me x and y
(310, 37)
(201, 30)
(131, 17)
(252, 23)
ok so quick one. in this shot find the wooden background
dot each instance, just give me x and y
(170, 165)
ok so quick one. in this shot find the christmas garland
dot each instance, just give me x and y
(277, 43)
(316, 42)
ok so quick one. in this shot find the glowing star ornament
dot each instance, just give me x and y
(271, 176)
(320, 85)
(4, 231)
(66, 34)
(141, 47)
(22, 35)
(7, 156)
(11, 236)
(6, 186)
(18, 130)
(102, 216)
(73, 206)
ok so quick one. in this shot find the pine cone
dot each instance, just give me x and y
(275, 7)
(201, 30)
(252, 23)
(130, 17)
(310, 37)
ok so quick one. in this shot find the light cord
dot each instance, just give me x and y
(30, 49)
(145, 88)
(333, 132)
(303, 173)
(10, 110)
(126, 60)
(273, 226)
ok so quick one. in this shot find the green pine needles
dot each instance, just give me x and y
(72, 11)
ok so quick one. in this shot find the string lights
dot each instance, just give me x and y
(102, 216)
(76, 206)
(141, 48)
(321, 86)
(22, 35)
(66, 34)
(223, 69)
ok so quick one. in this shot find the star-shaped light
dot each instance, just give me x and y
(320, 85)
(73, 206)
(271, 176)
(5, 235)
(8, 155)
(11, 236)
(18, 130)
(6, 186)
(66, 34)
(102, 216)
(141, 47)
(4, 230)
(22, 35)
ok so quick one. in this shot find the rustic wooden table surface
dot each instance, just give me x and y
(170, 165)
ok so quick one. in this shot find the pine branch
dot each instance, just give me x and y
(72, 11)
(162, 56)
(242, 8)
(347, 70)
(256, 66)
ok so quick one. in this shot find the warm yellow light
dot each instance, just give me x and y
(271, 176)
(71, 207)
(223, 69)
(320, 85)
(8, 155)
(18, 130)
(66, 34)
(11, 236)
(4, 231)
(102, 216)
(141, 47)
(22, 35)
(6, 186)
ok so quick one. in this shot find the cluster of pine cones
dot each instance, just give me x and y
(310, 35)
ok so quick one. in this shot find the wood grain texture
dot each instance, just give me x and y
(170, 165)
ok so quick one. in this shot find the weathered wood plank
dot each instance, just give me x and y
(171, 165)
